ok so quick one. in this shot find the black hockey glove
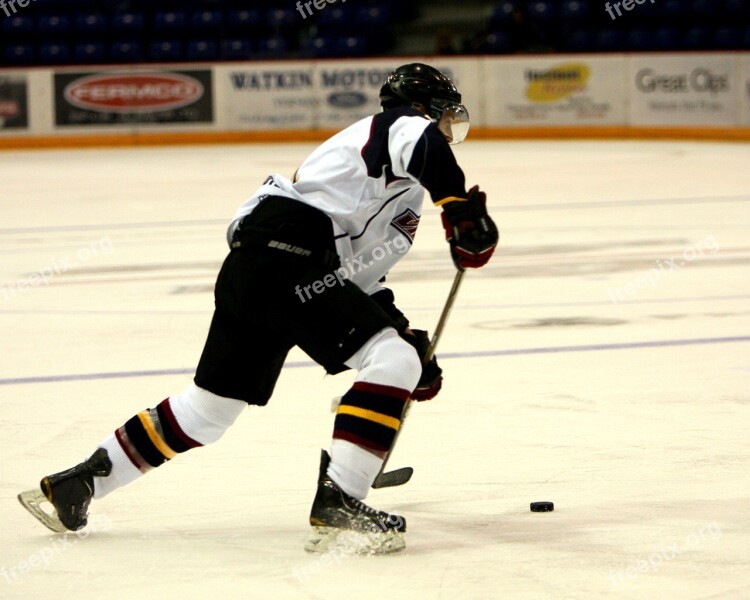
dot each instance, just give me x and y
(386, 301)
(470, 231)
(432, 375)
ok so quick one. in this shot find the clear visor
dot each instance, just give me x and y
(454, 123)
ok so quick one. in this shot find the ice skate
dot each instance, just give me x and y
(343, 524)
(69, 492)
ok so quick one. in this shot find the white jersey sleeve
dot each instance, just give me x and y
(370, 180)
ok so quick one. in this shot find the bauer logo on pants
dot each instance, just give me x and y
(126, 98)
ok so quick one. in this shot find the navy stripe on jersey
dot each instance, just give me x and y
(434, 166)
(432, 163)
(375, 152)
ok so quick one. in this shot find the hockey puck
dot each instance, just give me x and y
(542, 507)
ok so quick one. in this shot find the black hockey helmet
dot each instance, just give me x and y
(417, 83)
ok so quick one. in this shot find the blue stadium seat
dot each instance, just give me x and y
(282, 17)
(639, 40)
(372, 16)
(502, 13)
(675, 8)
(273, 47)
(89, 52)
(165, 51)
(497, 42)
(579, 40)
(647, 11)
(128, 22)
(736, 7)
(207, 20)
(542, 10)
(74, 6)
(318, 47)
(54, 54)
(705, 8)
(335, 20)
(170, 21)
(727, 38)
(17, 26)
(91, 23)
(18, 54)
(53, 25)
(202, 50)
(746, 39)
(667, 38)
(696, 38)
(243, 20)
(351, 45)
(236, 49)
(126, 51)
(574, 9)
(609, 40)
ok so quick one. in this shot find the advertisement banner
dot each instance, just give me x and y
(685, 90)
(14, 109)
(350, 90)
(268, 96)
(745, 89)
(133, 97)
(555, 91)
(312, 95)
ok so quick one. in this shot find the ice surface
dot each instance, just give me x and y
(601, 362)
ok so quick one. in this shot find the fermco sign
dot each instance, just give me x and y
(143, 97)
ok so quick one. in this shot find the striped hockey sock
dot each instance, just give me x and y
(188, 420)
(366, 422)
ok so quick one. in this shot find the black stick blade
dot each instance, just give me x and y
(393, 478)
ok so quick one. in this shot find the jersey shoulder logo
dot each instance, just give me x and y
(407, 223)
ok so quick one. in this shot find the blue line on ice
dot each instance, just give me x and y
(208, 310)
(443, 356)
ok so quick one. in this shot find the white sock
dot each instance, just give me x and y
(353, 468)
(123, 471)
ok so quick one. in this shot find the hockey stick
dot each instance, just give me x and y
(401, 476)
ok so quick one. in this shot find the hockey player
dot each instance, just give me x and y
(305, 268)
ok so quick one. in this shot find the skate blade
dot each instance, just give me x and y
(32, 501)
(345, 541)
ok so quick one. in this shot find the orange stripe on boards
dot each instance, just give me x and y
(738, 134)
(162, 139)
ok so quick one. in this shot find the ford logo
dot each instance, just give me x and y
(347, 99)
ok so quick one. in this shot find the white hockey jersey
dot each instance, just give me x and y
(370, 180)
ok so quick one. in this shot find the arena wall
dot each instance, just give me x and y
(686, 95)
